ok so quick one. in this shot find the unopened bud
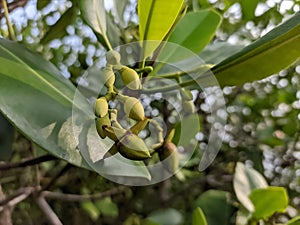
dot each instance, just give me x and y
(169, 157)
(109, 76)
(114, 133)
(100, 123)
(133, 147)
(130, 78)
(113, 57)
(101, 107)
(188, 107)
(134, 109)
(186, 94)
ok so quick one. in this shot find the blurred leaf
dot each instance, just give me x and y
(6, 138)
(218, 51)
(107, 207)
(194, 31)
(91, 210)
(156, 17)
(40, 4)
(93, 12)
(120, 7)
(216, 207)
(266, 56)
(245, 180)
(248, 8)
(268, 200)
(38, 100)
(294, 221)
(58, 30)
(186, 130)
(166, 217)
(199, 217)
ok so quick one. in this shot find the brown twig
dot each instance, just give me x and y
(82, 198)
(26, 162)
(17, 196)
(47, 210)
(13, 5)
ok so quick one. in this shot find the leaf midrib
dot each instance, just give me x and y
(246, 58)
(36, 74)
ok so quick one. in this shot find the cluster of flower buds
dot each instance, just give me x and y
(127, 142)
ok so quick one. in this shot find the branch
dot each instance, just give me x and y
(26, 162)
(17, 197)
(13, 5)
(82, 198)
(47, 210)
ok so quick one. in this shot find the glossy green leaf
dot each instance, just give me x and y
(93, 12)
(58, 30)
(166, 217)
(248, 8)
(216, 207)
(38, 100)
(156, 18)
(196, 29)
(268, 55)
(245, 180)
(199, 217)
(294, 221)
(268, 200)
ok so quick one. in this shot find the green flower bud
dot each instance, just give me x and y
(130, 78)
(134, 109)
(112, 151)
(101, 107)
(188, 107)
(109, 76)
(186, 94)
(133, 147)
(113, 57)
(169, 157)
(100, 122)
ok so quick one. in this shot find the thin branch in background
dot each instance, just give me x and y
(8, 23)
(5, 212)
(58, 175)
(47, 210)
(27, 162)
(17, 197)
(13, 5)
(82, 198)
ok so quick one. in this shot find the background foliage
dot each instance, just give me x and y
(260, 149)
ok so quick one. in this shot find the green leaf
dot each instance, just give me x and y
(294, 221)
(107, 207)
(93, 12)
(245, 180)
(266, 56)
(248, 8)
(91, 210)
(199, 217)
(166, 217)
(216, 207)
(196, 29)
(38, 100)
(218, 51)
(58, 30)
(41, 4)
(7, 133)
(156, 18)
(268, 200)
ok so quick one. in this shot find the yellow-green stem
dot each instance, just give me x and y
(9, 25)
